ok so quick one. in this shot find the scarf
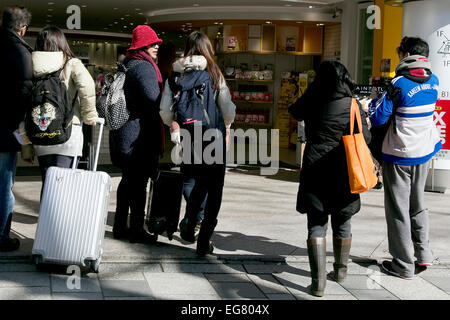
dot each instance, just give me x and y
(416, 68)
(142, 55)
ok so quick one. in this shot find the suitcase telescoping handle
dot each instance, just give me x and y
(101, 122)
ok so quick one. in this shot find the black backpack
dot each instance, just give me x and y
(49, 120)
(195, 101)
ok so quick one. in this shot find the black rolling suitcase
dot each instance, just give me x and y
(165, 203)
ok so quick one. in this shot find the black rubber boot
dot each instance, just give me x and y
(317, 262)
(137, 232)
(341, 249)
(204, 245)
(120, 228)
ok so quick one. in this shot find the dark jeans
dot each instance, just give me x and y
(318, 225)
(132, 189)
(209, 181)
(188, 185)
(53, 160)
(8, 161)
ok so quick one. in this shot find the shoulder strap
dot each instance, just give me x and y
(354, 112)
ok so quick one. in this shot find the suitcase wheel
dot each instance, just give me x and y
(94, 266)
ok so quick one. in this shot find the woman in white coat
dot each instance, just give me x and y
(53, 54)
(209, 178)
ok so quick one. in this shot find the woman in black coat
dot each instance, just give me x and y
(136, 147)
(324, 184)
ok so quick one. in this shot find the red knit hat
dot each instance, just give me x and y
(143, 36)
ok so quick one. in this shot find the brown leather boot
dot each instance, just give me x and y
(341, 249)
(317, 262)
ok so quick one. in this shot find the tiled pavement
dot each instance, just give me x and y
(216, 281)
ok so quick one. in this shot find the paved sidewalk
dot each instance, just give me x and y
(260, 252)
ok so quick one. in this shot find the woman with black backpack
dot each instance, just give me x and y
(196, 93)
(53, 56)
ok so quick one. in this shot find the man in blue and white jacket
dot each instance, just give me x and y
(410, 142)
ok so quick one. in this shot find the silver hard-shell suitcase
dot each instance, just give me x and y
(72, 216)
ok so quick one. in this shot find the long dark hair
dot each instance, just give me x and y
(53, 39)
(333, 80)
(198, 44)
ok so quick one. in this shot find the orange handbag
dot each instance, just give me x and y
(361, 169)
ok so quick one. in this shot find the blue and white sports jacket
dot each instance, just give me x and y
(417, 139)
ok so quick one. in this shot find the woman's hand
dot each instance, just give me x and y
(90, 123)
(174, 126)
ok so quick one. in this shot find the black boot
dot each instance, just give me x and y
(120, 228)
(341, 249)
(9, 245)
(317, 262)
(137, 232)
(187, 230)
(204, 245)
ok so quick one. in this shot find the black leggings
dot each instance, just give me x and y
(318, 225)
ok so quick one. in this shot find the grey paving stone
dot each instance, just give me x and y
(373, 295)
(268, 284)
(440, 282)
(106, 268)
(237, 290)
(273, 268)
(121, 276)
(88, 283)
(125, 288)
(129, 298)
(202, 268)
(77, 296)
(415, 289)
(280, 296)
(25, 293)
(326, 297)
(359, 282)
(188, 297)
(179, 284)
(435, 272)
(226, 277)
(17, 267)
(24, 279)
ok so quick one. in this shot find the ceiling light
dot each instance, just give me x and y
(50, 9)
(125, 27)
(137, 9)
(140, 13)
(115, 22)
(127, 15)
(83, 6)
(131, 23)
(216, 23)
(268, 22)
(49, 16)
(299, 22)
(310, 7)
(196, 5)
(51, 3)
(115, 8)
(122, 18)
(288, 5)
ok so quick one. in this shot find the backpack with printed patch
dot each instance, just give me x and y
(49, 120)
(111, 105)
(195, 101)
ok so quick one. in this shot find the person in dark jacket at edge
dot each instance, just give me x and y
(15, 86)
(136, 147)
(324, 184)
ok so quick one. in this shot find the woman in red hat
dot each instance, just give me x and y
(136, 147)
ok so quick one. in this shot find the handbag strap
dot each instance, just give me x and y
(354, 112)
